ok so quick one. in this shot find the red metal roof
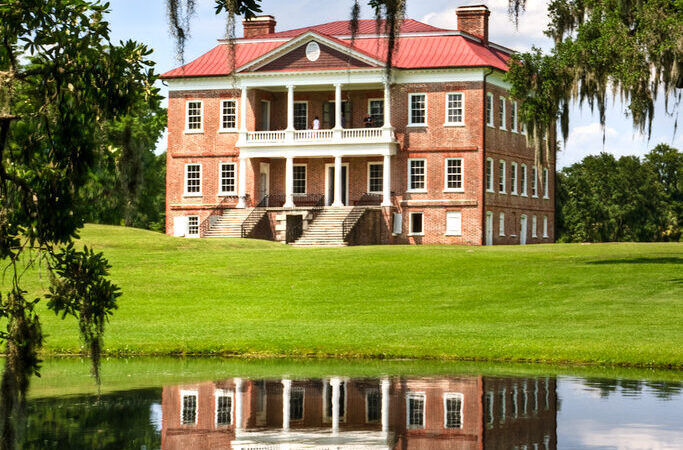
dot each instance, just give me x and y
(417, 52)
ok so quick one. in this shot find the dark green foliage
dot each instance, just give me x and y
(603, 199)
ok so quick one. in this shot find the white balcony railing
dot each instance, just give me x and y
(344, 136)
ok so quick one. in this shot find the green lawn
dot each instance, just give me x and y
(613, 303)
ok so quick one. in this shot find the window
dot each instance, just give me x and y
(515, 405)
(227, 181)
(192, 226)
(454, 174)
(416, 223)
(534, 182)
(513, 117)
(300, 115)
(489, 175)
(376, 112)
(418, 109)
(452, 406)
(523, 128)
(489, 408)
(502, 397)
(417, 175)
(223, 407)
(545, 226)
(194, 116)
(453, 223)
(533, 226)
(193, 179)
(501, 177)
(501, 112)
(501, 224)
(522, 180)
(535, 407)
(373, 405)
(228, 115)
(489, 109)
(525, 398)
(188, 407)
(375, 177)
(545, 183)
(299, 178)
(513, 178)
(454, 109)
(415, 410)
(296, 404)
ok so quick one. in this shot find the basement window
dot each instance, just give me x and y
(453, 223)
(417, 224)
(192, 226)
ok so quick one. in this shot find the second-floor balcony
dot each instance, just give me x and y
(333, 136)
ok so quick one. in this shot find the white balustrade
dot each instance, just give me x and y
(322, 136)
(313, 135)
(362, 134)
(266, 137)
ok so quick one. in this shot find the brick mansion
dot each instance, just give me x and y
(301, 136)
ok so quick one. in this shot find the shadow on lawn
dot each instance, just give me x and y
(662, 260)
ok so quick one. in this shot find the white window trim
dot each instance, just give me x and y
(307, 109)
(445, 175)
(503, 175)
(410, 109)
(503, 123)
(378, 163)
(222, 116)
(514, 170)
(490, 120)
(303, 403)
(454, 124)
(501, 221)
(524, 191)
(410, 223)
(184, 393)
(305, 166)
(223, 393)
(423, 397)
(492, 177)
(453, 395)
(188, 235)
(534, 225)
(379, 99)
(187, 117)
(367, 409)
(221, 192)
(192, 194)
(515, 122)
(534, 182)
(546, 188)
(425, 175)
(545, 227)
(452, 233)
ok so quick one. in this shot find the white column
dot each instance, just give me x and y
(335, 383)
(289, 182)
(385, 405)
(386, 181)
(387, 105)
(337, 106)
(238, 403)
(290, 107)
(242, 185)
(286, 394)
(243, 110)
(338, 181)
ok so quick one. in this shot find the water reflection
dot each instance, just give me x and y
(342, 413)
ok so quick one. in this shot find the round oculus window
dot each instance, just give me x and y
(312, 51)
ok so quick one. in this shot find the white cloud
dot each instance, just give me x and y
(629, 436)
(502, 30)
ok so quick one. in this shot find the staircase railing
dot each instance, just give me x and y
(205, 225)
(256, 213)
(352, 219)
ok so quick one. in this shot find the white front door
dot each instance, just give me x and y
(489, 228)
(522, 231)
(264, 181)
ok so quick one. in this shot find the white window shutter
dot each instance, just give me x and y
(398, 223)
(180, 224)
(454, 223)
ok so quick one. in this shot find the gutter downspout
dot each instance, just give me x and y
(483, 158)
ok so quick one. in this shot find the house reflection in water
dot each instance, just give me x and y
(340, 413)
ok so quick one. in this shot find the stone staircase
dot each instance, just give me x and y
(229, 224)
(327, 228)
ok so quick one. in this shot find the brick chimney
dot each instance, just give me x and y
(474, 20)
(259, 26)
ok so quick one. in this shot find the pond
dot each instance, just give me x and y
(284, 404)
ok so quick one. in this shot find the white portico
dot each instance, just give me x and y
(333, 140)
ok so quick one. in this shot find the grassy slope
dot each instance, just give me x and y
(612, 303)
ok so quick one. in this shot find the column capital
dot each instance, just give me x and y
(291, 86)
(338, 84)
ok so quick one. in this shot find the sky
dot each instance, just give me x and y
(146, 21)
